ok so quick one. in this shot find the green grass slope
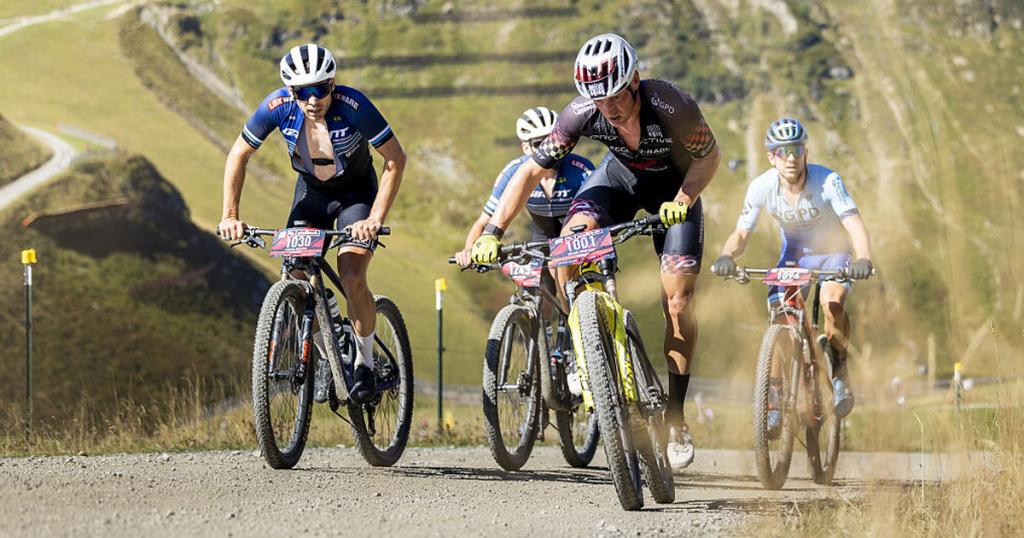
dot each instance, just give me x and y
(21, 153)
(130, 297)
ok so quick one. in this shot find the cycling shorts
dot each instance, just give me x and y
(613, 194)
(330, 207)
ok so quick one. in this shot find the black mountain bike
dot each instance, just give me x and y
(528, 365)
(283, 364)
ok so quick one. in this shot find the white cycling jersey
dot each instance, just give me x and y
(812, 225)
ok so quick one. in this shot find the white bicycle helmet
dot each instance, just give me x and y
(535, 123)
(784, 131)
(307, 64)
(604, 66)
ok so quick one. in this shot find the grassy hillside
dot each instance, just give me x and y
(20, 154)
(131, 298)
(922, 116)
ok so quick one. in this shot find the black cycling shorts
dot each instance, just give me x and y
(325, 207)
(613, 194)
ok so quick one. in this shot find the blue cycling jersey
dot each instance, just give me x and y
(572, 171)
(352, 120)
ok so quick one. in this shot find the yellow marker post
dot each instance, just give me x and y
(440, 286)
(957, 386)
(28, 259)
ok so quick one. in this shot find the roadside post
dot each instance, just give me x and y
(440, 286)
(28, 259)
(958, 386)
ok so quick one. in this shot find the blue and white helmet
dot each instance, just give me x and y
(604, 66)
(535, 123)
(307, 64)
(784, 131)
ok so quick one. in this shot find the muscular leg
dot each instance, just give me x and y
(352, 264)
(837, 323)
(680, 338)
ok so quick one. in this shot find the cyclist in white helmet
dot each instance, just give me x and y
(550, 200)
(328, 129)
(662, 155)
(819, 223)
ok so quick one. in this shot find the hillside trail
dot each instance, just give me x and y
(19, 23)
(431, 492)
(63, 156)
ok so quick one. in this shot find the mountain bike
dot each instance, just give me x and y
(528, 368)
(283, 368)
(793, 380)
(618, 382)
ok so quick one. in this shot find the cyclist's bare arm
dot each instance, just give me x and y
(736, 244)
(698, 176)
(858, 236)
(517, 193)
(390, 179)
(234, 178)
(462, 257)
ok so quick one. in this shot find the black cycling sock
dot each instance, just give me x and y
(838, 361)
(677, 385)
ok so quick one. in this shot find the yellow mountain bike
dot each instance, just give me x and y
(617, 380)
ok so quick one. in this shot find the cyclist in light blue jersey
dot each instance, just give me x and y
(328, 130)
(550, 201)
(821, 229)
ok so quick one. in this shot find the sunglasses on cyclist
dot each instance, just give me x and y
(785, 151)
(305, 93)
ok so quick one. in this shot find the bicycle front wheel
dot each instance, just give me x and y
(775, 394)
(511, 387)
(381, 427)
(602, 372)
(282, 384)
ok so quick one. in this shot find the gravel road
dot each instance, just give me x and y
(431, 492)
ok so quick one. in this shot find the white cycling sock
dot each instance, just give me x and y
(364, 350)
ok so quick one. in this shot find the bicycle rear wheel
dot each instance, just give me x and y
(777, 364)
(577, 435)
(511, 387)
(381, 427)
(282, 384)
(823, 451)
(651, 440)
(603, 376)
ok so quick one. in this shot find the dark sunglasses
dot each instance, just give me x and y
(793, 149)
(321, 90)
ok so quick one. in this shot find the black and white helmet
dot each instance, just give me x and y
(784, 131)
(307, 64)
(604, 66)
(535, 123)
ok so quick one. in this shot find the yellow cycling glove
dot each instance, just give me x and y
(486, 249)
(672, 213)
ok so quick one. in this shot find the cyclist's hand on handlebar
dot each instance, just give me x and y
(860, 269)
(231, 229)
(672, 213)
(462, 258)
(724, 266)
(486, 249)
(366, 229)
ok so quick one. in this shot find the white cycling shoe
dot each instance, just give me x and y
(679, 448)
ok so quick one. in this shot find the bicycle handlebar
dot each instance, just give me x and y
(744, 274)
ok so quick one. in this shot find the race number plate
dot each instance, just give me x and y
(298, 242)
(787, 276)
(582, 247)
(526, 275)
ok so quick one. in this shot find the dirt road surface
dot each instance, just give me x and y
(431, 492)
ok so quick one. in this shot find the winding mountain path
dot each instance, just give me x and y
(63, 155)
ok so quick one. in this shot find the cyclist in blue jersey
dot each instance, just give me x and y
(328, 129)
(662, 154)
(550, 200)
(819, 223)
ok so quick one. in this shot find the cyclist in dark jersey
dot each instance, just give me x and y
(662, 155)
(550, 201)
(328, 130)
